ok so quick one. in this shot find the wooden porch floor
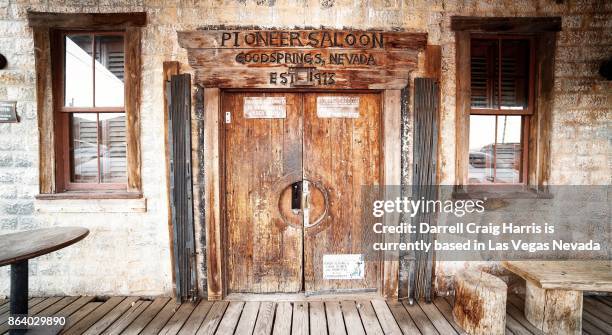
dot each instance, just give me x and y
(133, 315)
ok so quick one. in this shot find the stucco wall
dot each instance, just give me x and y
(129, 253)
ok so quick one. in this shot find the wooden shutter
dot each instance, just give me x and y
(424, 181)
(181, 196)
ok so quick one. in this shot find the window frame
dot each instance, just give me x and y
(45, 27)
(544, 30)
(63, 113)
(524, 113)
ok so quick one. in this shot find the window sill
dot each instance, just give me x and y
(88, 202)
(499, 192)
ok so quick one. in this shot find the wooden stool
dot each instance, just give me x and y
(480, 303)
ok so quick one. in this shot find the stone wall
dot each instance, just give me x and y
(129, 253)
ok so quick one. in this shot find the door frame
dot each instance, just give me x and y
(214, 182)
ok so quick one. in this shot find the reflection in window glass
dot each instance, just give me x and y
(78, 77)
(113, 164)
(109, 71)
(495, 154)
(481, 143)
(84, 147)
(98, 147)
(508, 149)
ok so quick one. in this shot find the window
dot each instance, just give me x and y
(92, 117)
(501, 103)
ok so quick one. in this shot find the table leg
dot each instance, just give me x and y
(19, 291)
(554, 311)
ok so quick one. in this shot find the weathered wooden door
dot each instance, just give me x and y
(275, 242)
(341, 155)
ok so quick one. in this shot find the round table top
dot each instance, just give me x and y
(28, 244)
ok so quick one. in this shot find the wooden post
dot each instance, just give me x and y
(554, 311)
(480, 303)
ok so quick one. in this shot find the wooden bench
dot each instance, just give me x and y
(553, 301)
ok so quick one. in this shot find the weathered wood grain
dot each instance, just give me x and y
(246, 324)
(386, 319)
(265, 318)
(132, 106)
(479, 297)
(146, 316)
(124, 321)
(213, 318)
(553, 311)
(318, 322)
(196, 318)
(404, 321)
(86, 20)
(565, 275)
(506, 24)
(300, 323)
(282, 321)
(335, 320)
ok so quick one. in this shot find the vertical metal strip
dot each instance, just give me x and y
(425, 153)
(179, 132)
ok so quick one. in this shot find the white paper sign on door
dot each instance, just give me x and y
(265, 108)
(338, 107)
(343, 266)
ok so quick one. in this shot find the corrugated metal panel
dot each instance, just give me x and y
(424, 180)
(181, 194)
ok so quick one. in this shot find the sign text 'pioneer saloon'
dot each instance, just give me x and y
(303, 58)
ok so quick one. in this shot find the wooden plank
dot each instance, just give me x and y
(159, 321)
(352, 320)
(300, 324)
(516, 327)
(590, 329)
(246, 324)
(76, 305)
(446, 310)
(598, 309)
(212, 199)
(438, 320)
(59, 305)
(420, 319)
(392, 149)
(177, 320)
(541, 121)
(43, 305)
(518, 315)
(90, 21)
(132, 106)
(602, 324)
(213, 318)
(323, 59)
(291, 39)
(433, 61)
(565, 275)
(604, 299)
(146, 316)
(463, 105)
(79, 314)
(230, 318)
(265, 318)
(282, 322)
(82, 325)
(111, 316)
(506, 24)
(368, 318)
(335, 322)
(44, 110)
(318, 322)
(38, 307)
(196, 318)
(402, 318)
(385, 317)
(124, 321)
(342, 79)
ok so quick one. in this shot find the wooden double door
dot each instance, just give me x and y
(293, 189)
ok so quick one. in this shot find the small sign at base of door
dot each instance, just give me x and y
(338, 107)
(343, 266)
(265, 108)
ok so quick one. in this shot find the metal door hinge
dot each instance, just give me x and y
(228, 117)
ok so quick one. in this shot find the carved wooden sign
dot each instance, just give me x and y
(302, 58)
